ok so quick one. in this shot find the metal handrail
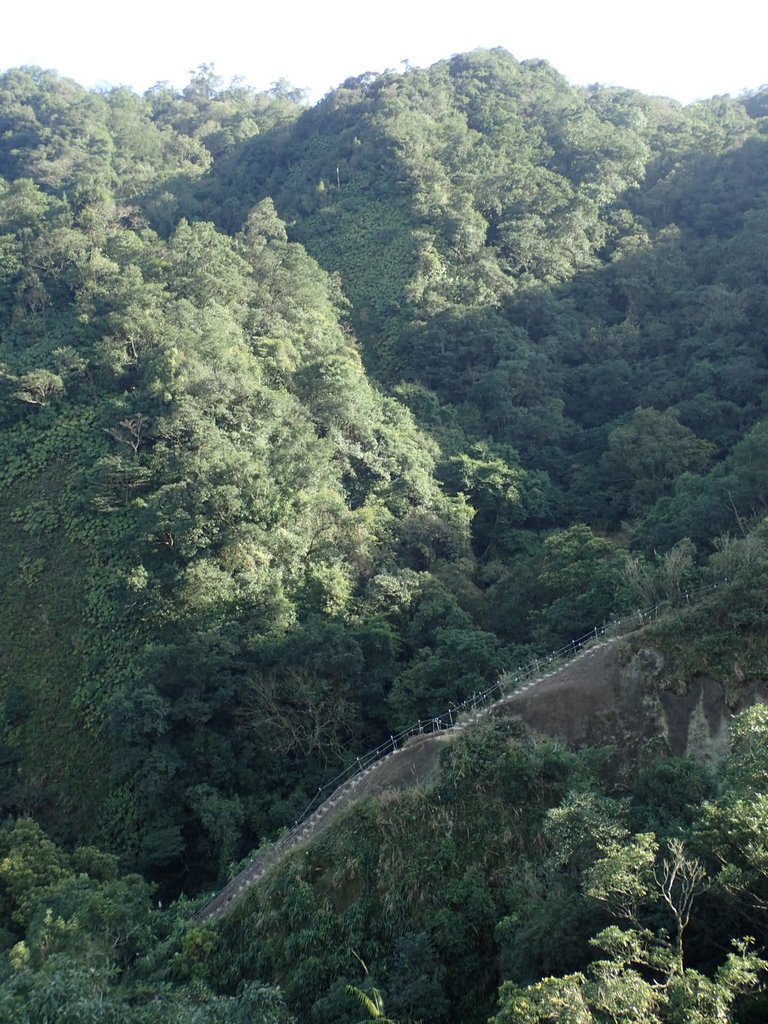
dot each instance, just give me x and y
(534, 670)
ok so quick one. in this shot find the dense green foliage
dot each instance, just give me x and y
(312, 421)
(518, 861)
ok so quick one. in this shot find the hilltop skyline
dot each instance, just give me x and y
(674, 51)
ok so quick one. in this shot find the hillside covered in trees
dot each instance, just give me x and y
(313, 420)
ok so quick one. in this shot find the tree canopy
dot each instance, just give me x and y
(313, 420)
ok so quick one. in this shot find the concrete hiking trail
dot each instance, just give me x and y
(546, 704)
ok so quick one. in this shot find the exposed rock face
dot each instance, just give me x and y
(576, 703)
(616, 695)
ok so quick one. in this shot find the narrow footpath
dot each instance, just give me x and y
(561, 703)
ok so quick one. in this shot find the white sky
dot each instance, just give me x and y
(678, 48)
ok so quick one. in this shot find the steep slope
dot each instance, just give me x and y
(587, 682)
(555, 266)
(197, 478)
(272, 563)
(231, 560)
(614, 695)
(469, 846)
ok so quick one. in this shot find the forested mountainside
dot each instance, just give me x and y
(312, 421)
